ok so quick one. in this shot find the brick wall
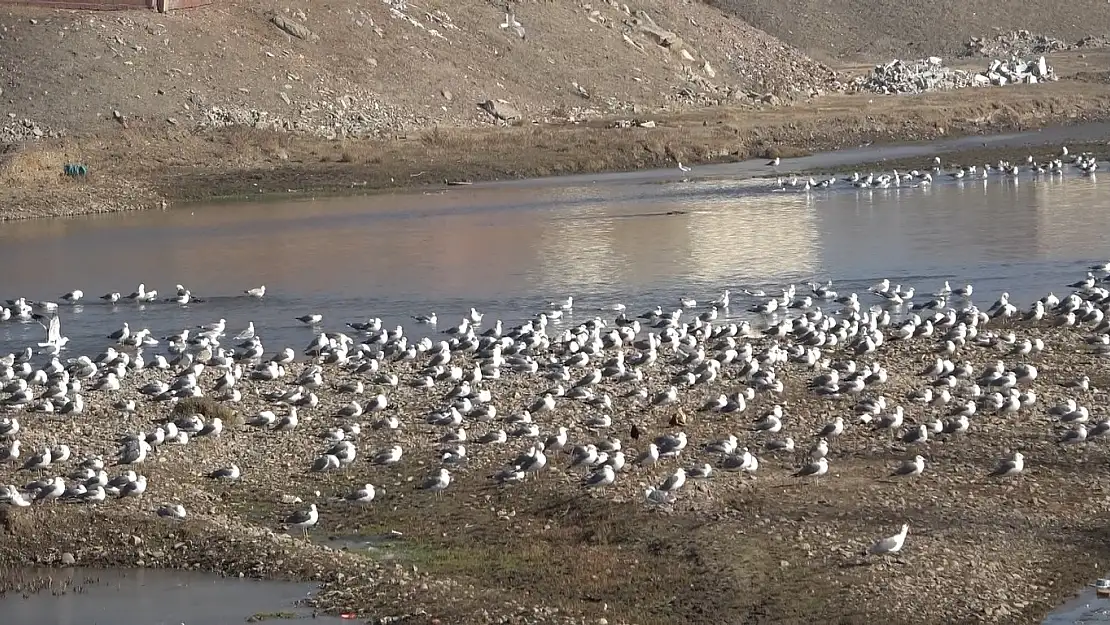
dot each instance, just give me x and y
(114, 5)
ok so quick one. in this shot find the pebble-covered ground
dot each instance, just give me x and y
(747, 544)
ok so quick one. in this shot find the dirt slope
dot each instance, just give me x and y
(366, 66)
(873, 29)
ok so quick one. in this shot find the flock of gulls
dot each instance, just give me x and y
(596, 385)
(1083, 164)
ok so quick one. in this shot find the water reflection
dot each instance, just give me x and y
(510, 249)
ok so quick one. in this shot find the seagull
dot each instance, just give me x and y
(310, 319)
(303, 519)
(175, 512)
(1008, 467)
(437, 482)
(226, 473)
(602, 477)
(814, 469)
(682, 167)
(257, 293)
(362, 495)
(891, 544)
(774, 162)
(910, 468)
(53, 327)
(511, 23)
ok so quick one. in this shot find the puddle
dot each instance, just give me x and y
(1086, 609)
(381, 546)
(80, 596)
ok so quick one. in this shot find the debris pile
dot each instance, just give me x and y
(931, 74)
(350, 115)
(1025, 44)
(18, 131)
(1018, 42)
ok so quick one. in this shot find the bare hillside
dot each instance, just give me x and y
(871, 30)
(368, 67)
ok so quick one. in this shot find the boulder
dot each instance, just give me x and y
(294, 29)
(501, 110)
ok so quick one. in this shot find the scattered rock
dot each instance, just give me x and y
(1018, 42)
(299, 31)
(68, 559)
(500, 109)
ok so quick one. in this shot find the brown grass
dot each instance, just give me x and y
(32, 165)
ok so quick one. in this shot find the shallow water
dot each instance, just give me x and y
(1086, 609)
(157, 597)
(508, 250)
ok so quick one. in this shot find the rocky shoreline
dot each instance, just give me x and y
(766, 546)
(240, 163)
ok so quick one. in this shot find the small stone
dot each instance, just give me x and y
(447, 95)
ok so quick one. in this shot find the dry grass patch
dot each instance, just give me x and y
(32, 164)
(207, 408)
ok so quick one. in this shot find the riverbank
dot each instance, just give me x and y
(141, 169)
(763, 548)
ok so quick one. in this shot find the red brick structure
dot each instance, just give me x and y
(114, 5)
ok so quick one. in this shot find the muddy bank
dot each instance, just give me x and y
(241, 163)
(766, 546)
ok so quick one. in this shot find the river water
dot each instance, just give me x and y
(510, 249)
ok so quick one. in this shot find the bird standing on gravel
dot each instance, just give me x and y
(814, 469)
(303, 519)
(1009, 467)
(891, 544)
(910, 468)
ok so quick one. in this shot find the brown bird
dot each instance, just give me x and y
(678, 419)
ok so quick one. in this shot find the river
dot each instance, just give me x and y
(509, 249)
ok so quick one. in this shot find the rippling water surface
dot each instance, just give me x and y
(509, 250)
